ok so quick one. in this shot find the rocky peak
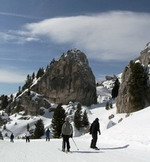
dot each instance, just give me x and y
(147, 47)
(124, 100)
(145, 55)
(76, 56)
(68, 79)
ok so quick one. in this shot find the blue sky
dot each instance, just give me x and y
(33, 32)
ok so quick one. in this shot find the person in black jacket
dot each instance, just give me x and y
(11, 137)
(47, 134)
(94, 130)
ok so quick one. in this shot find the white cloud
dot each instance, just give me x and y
(11, 77)
(16, 37)
(19, 15)
(107, 36)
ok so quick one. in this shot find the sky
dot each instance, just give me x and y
(33, 32)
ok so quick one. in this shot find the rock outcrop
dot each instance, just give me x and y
(124, 100)
(33, 103)
(68, 79)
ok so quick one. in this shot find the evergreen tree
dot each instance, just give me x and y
(107, 105)
(40, 73)
(1, 136)
(19, 91)
(110, 105)
(28, 82)
(138, 85)
(4, 127)
(39, 129)
(11, 98)
(4, 101)
(33, 76)
(115, 89)
(28, 127)
(8, 110)
(78, 117)
(58, 120)
(85, 121)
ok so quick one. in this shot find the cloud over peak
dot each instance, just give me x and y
(116, 35)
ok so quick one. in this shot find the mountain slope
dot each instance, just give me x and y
(126, 141)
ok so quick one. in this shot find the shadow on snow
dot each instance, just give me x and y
(82, 151)
(100, 151)
(115, 148)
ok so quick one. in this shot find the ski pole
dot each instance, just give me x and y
(75, 144)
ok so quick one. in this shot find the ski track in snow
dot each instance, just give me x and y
(42, 151)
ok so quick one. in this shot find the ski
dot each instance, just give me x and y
(64, 151)
(95, 148)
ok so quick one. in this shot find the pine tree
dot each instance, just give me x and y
(4, 127)
(28, 82)
(110, 105)
(115, 89)
(85, 121)
(40, 73)
(28, 127)
(138, 85)
(33, 76)
(1, 136)
(19, 91)
(107, 105)
(4, 101)
(11, 98)
(58, 120)
(78, 117)
(39, 129)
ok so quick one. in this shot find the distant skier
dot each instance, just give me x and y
(94, 130)
(1, 136)
(67, 132)
(47, 133)
(11, 137)
(27, 135)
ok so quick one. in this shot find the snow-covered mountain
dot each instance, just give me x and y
(124, 137)
(128, 140)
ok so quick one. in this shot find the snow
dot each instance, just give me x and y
(124, 137)
(137, 61)
(103, 94)
(128, 140)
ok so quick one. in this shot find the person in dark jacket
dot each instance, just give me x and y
(27, 135)
(11, 137)
(66, 132)
(94, 130)
(47, 133)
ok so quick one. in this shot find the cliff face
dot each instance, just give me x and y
(123, 103)
(124, 100)
(68, 79)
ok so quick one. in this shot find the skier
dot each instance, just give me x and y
(47, 134)
(67, 132)
(11, 137)
(27, 135)
(94, 129)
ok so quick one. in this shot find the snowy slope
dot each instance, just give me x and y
(127, 141)
(134, 128)
(124, 138)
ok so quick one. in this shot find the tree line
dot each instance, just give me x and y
(80, 121)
